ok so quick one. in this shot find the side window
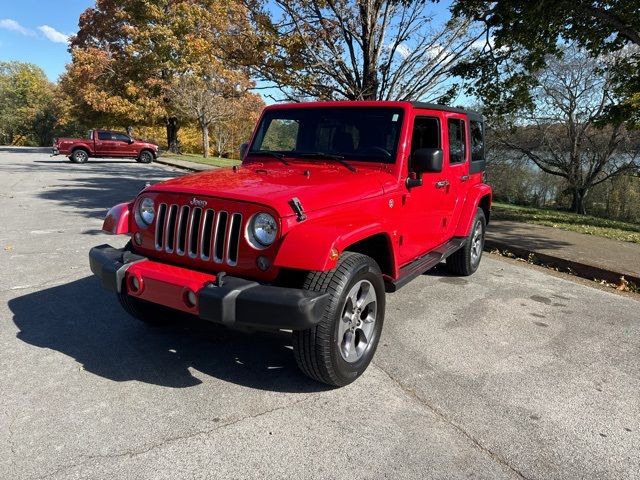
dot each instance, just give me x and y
(281, 135)
(120, 137)
(104, 136)
(426, 133)
(477, 141)
(456, 140)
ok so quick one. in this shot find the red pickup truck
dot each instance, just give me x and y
(335, 205)
(104, 143)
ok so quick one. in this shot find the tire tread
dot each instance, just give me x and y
(312, 347)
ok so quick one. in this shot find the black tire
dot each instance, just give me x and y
(317, 351)
(466, 260)
(147, 312)
(146, 156)
(79, 155)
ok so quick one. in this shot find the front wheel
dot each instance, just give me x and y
(145, 157)
(340, 347)
(466, 260)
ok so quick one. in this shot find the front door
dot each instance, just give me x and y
(124, 146)
(424, 208)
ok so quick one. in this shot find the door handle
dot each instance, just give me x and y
(442, 183)
(464, 178)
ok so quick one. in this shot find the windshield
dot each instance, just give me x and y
(350, 133)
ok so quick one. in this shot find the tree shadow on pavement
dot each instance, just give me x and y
(509, 234)
(93, 196)
(31, 150)
(82, 321)
(95, 189)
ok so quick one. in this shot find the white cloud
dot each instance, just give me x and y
(53, 34)
(14, 26)
(403, 50)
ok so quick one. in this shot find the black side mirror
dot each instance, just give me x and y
(131, 140)
(424, 160)
(243, 150)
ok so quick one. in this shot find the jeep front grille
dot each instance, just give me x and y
(199, 233)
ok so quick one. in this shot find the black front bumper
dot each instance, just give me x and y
(231, 301)
(54, 152)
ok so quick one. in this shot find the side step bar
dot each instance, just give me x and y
(424, 263)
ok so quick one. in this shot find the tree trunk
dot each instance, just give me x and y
(172, 134)
(205, 139)
(577, 202)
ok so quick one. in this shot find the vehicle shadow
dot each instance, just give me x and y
(86, 323)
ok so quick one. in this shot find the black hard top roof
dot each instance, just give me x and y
(472, 114)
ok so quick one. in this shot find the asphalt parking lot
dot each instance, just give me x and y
(511, 373)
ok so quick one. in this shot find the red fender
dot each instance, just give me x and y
(309, 245)
(117, 219)
(471, 203)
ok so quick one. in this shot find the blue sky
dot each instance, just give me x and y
(33, 31)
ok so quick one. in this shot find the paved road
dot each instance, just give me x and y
(512, 373)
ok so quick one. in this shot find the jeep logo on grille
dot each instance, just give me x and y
(198, 203)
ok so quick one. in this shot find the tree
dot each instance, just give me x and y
(564, 135)
(520, 36)
(127, 54)
(208, 98)
(229, 132)
(27, 110)
(357, 49)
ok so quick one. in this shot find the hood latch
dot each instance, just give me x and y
(296, 206)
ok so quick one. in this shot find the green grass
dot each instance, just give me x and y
(192, 157)
(601, 227)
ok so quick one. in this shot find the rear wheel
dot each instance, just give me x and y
(340, 347)
(79, 156)
(147, 312)
(466, 260)
(145, 157)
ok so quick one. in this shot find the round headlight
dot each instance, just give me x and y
(264, 229)
(147, 211)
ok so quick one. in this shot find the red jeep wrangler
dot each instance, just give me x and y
(104, 143)
(334, 204)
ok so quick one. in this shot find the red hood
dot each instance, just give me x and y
(274, 185)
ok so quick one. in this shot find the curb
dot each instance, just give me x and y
(590, 272)
(184, 165)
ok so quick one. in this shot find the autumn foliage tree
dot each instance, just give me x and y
(27, 108)
(236, 128)
(210, 98)
(128, 53)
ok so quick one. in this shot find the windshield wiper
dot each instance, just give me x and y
(337, 158)
(278, 155)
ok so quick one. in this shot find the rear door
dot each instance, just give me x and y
(455, 172)
(105, 145)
